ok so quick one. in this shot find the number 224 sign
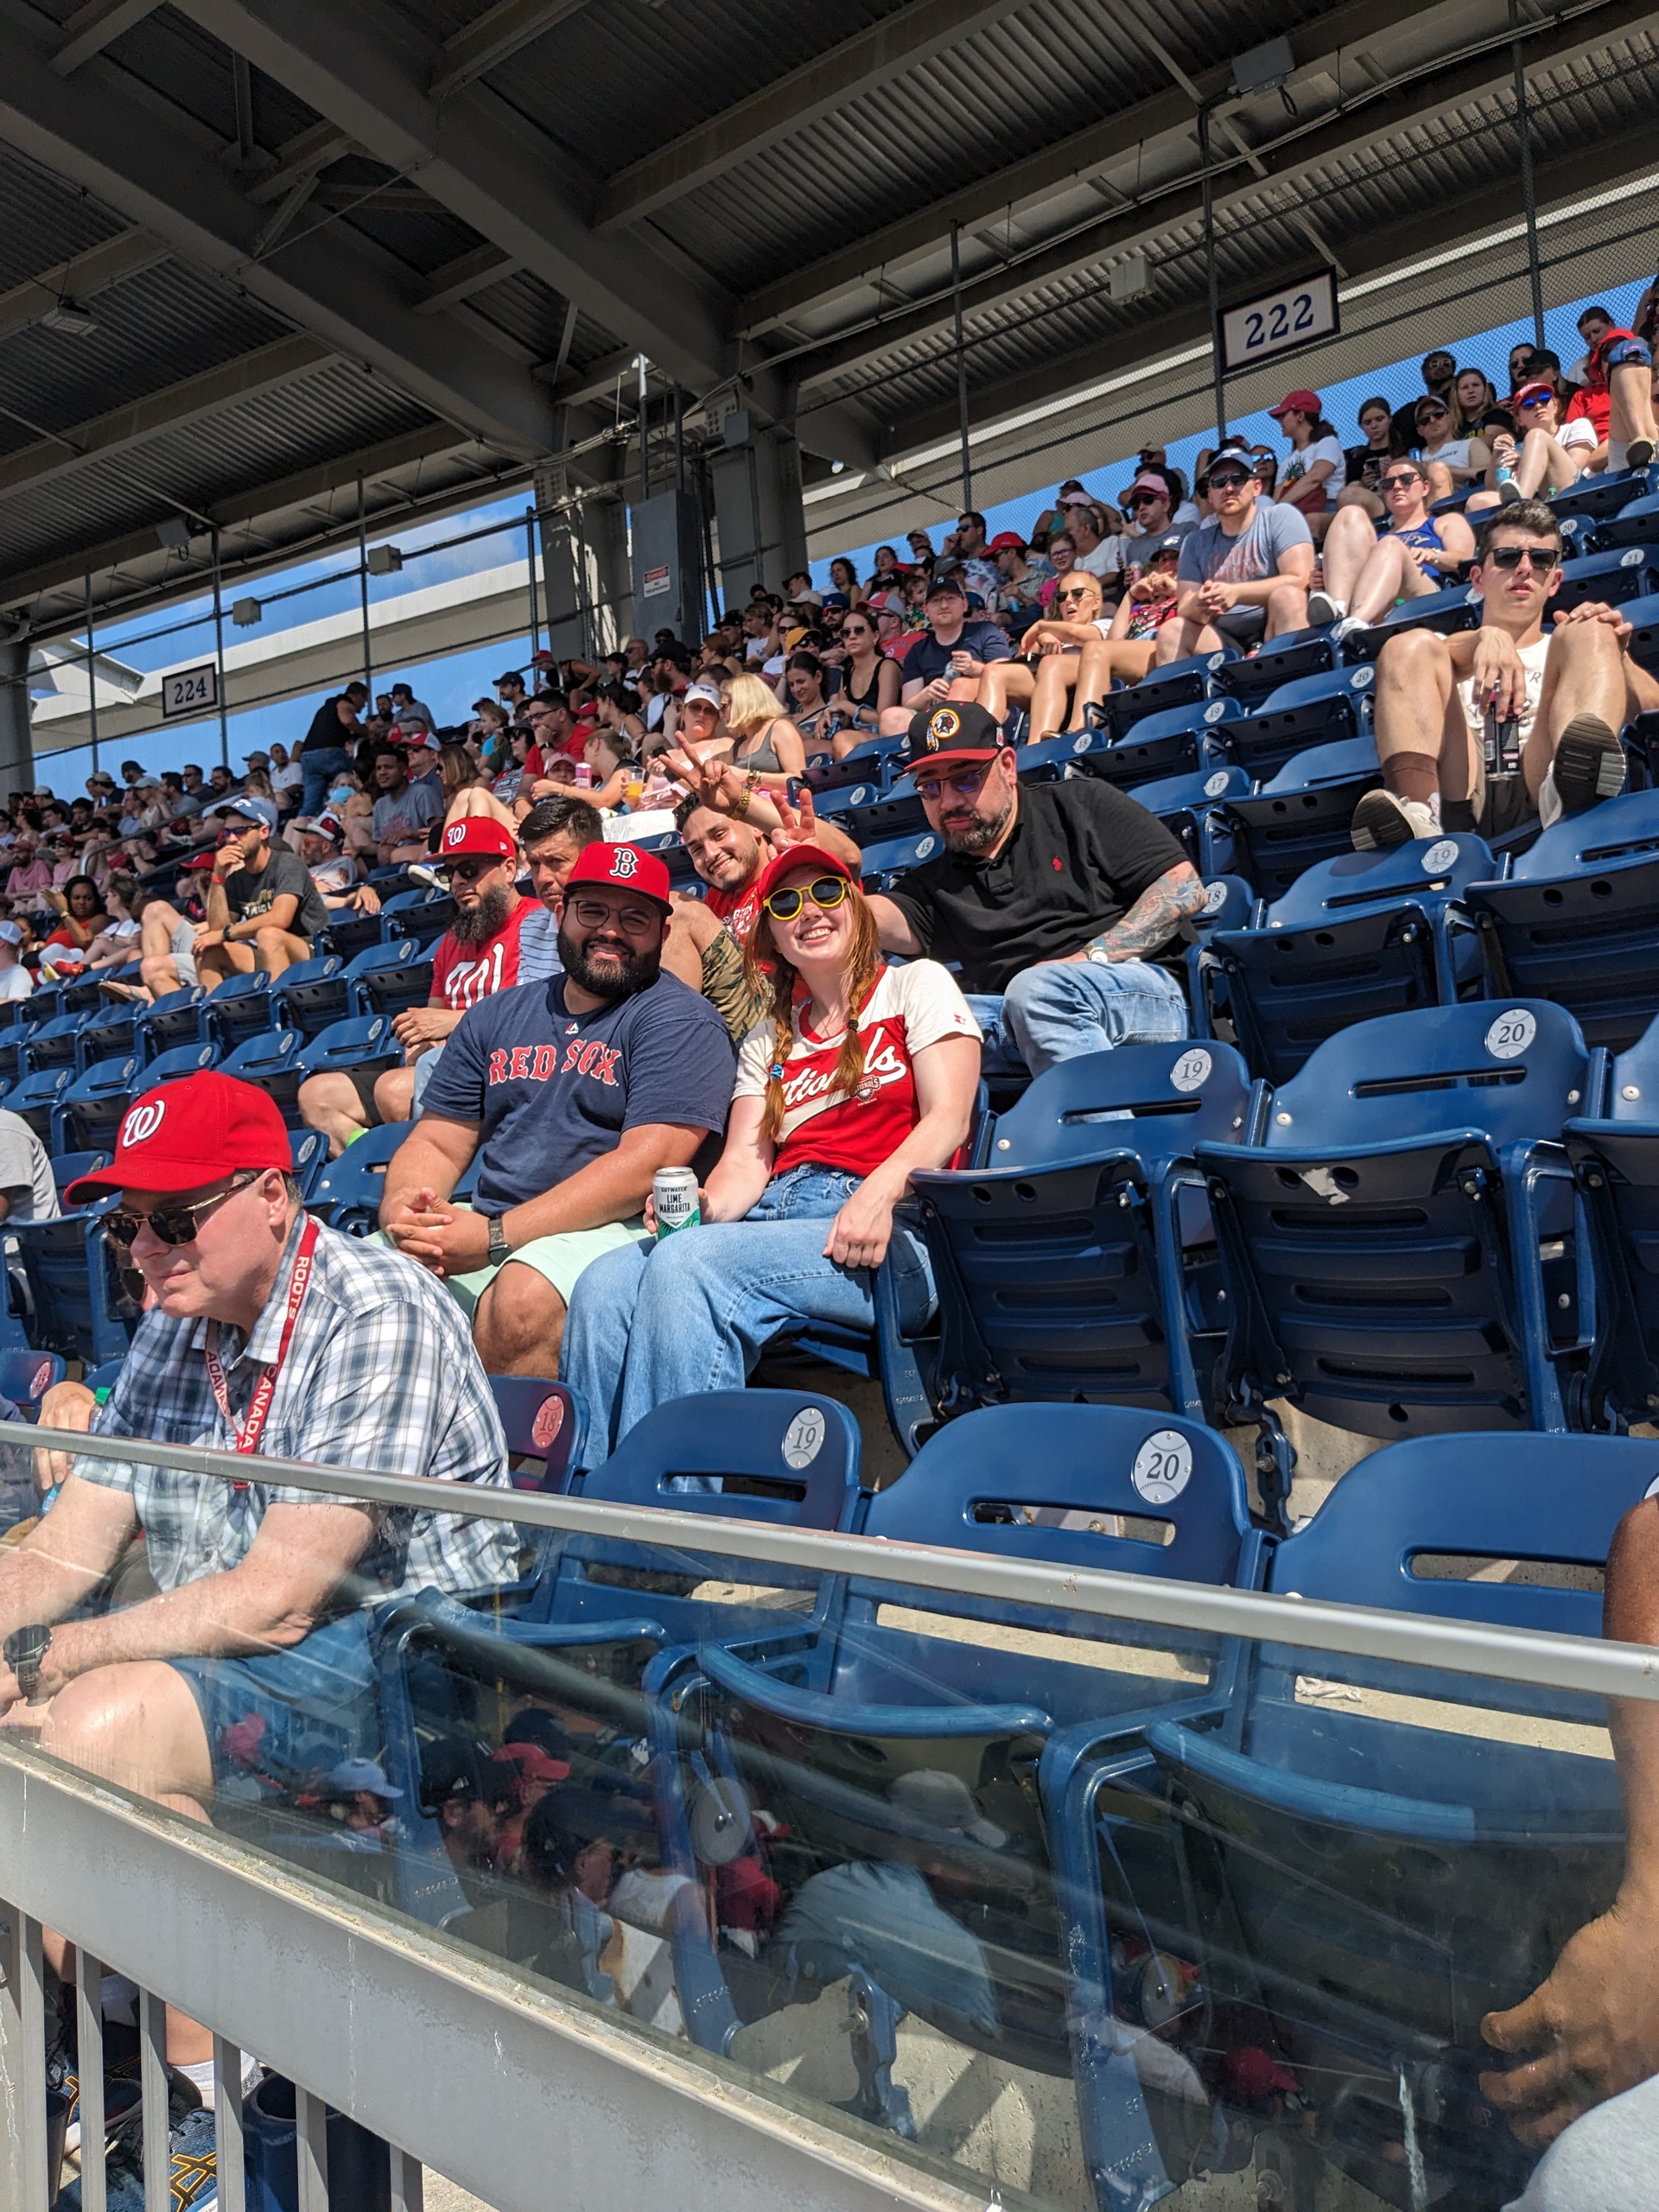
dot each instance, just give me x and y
(1280, 322)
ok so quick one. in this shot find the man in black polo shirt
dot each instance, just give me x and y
(1057, 901)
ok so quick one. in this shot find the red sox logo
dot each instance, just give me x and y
(625, 864)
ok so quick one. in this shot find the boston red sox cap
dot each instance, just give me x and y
(625, 868)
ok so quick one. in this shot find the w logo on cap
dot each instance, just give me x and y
(455, 833)
(143, 1122)
(624, 863)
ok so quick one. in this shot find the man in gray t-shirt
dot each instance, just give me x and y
(27, 1191)
(1244, 570)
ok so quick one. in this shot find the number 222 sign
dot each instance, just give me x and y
(1280, 322)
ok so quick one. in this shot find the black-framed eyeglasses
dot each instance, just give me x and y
(1230, 480)
(1543, 558)
(826, 892)
(965, 782)
(172, 1225)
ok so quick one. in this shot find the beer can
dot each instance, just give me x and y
(673, 1190)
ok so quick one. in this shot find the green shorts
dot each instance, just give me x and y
(561, 1259)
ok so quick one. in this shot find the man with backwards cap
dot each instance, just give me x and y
(573, 1092)
(1062, 904)
(268, 1334)
(476, 954)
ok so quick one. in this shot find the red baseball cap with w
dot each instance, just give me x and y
(186, 1135)
(625, 868)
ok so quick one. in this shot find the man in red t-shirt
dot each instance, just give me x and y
(477, 956)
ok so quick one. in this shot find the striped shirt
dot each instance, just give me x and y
(380, 1374)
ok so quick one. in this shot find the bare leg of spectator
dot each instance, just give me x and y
(1587, 679)
(1006, 683)
(1541, 464)
(1632, 436)
(394, 1095)
(155, 928)
(1051, 699)
(476, 800)
(1355, 495)
(1440, 486)
(1349, 544)
(1286, 609)
(1389, 574)
(330, 1102)
(1128, 657)
(1188, 633)
(519, 1323)
(1422, 739)
(271, 949)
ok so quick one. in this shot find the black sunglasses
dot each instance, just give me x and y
(1543, 558)
(172, 1225)
(1403, 476)
(469, 871)
(1141, 500)
(826, 892)
(1229, 480)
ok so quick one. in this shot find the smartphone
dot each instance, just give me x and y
(795, 789)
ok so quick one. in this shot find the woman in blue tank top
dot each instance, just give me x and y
(1366, 575)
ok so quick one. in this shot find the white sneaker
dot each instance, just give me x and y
(1322, 609)
(1347, 627)
(1382, 820)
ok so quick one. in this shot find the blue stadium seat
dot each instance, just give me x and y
(26, 1376)
(386, 978)
(1080, 1264)
(1449, 610)
(1193, 809)
(14, 1011)
(1182, 684)
(872, 760)
(90, 1110)
(1630, 572)
(1321, 709)
(1175, 742)
(105, 1033)
(423, 914)
(12, 1042)
(311, 995)
(1303, 816)
(170, 1066)
(271, 1063)
(1398, 1231)
(1599, 497)
(1363, 935)
(53, 1044)
(239, 1007)
(1577, 920)
(792, 1459)
(1642, 616)
(1229, 902)
(308, 1149)
(896, 812)
(350, 931)
(79, 996)
(1614, 1149)
(882, 866)
(838, 803)
(539, 1419)
(79, 1304)
(175, 1018)
(1056, 757)
(35, 1097)
(900, 1681)
(1442, 1852)
(67, 1166)
(1282, 660)
(348, 1196)
(1636, 522)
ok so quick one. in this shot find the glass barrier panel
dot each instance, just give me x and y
(1077, 1909)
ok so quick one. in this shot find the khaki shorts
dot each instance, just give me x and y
(559, 1259)
(1501, 804)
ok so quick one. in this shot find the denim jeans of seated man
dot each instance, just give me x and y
(691, 1313)
(318, 771)
(1063, 1008)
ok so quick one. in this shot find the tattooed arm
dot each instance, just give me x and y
(1154, 918)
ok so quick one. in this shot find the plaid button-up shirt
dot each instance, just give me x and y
(380, 1374)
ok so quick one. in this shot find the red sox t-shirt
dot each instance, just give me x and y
(464, 973)
(910, 1008)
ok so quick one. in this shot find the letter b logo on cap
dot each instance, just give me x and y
(143, 1122)
(625, 862)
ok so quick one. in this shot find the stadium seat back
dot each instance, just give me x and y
(1174, 1094)
(1636, 522)
(422, 914)
(90, 1108)
(310, 994)
(273, 1063)
(1182, 684)
(349, 1192)
(104, 1034)
(80, 1304)
(896, 812)
(169, 1066)
(308, 1150)
(1398, 1234)
(53, 1044)
(1193, 809)
(882, 865)
(177, 1018)
(1577, 920)
(1303, 816)
(239, 1007)
(1449, 610)
(67, 1167)
(1282, 660)
(387, 978)
(362, 1041)
(845, 799)
(35, 1098)
(539, 1419)
(1599, 497)
(1292, 719)
(1629, 572)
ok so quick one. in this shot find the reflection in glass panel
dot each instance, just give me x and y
(1101, 1913)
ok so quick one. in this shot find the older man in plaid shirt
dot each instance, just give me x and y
(268, 1335)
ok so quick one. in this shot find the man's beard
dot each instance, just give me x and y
(613, 980)
(981, 833)
(473, 925)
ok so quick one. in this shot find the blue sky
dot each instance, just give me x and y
(449, 684)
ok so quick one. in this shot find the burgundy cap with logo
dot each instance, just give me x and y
(951, 732)
(185, 1135)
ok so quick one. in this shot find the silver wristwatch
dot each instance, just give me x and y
(499, 1248)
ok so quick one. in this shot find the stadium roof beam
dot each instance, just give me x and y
(1409, 105)
(175, 407)
(490, 166)
(96, 25)
(495, 37)
(858, 65)
(1559, 180)
(1026, 183)
(470, 272)
(80, 279)
(161, 175)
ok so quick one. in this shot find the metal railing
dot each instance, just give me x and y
(419, 2040)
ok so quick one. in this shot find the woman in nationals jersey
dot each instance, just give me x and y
(857, 1074)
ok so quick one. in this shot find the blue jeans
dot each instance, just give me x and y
(691, 1313)
(319, 770)
(1065, 1007)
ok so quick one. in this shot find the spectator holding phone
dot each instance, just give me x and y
(950, 662)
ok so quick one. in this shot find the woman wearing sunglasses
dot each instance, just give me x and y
(1544, 455)
(1450, 461)
(858, 1074)
(1419, 553)
(1048, 672)
(870, 681)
